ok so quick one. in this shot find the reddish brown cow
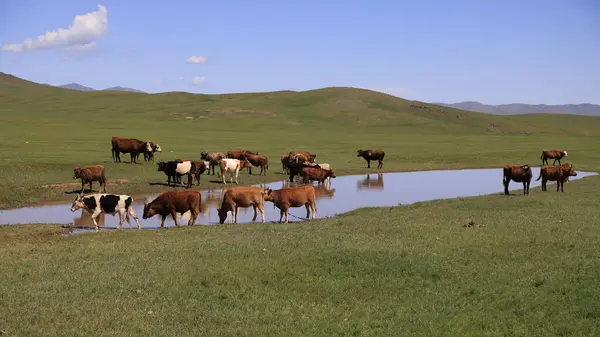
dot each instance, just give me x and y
(174, 202)
(560, 174)
(238, 154)
(517, 173)
(302, 156)
(316, 174)
(129, 145)
(557, 155)
(90, 174)
(369, 155)
(285, 158)
(258, 161)
(293, 197)
(238, 197)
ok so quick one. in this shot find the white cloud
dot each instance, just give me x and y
(197, 80)
(197, 59)
(83, 33)
(398, 92)
(83, 47)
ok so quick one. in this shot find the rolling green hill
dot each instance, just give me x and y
(46, 131)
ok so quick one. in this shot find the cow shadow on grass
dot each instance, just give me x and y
(165, 184)
(87, 190)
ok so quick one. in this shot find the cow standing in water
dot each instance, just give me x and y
(519, 174)
(369, 155)
(96, 204)
(90, 174)
(174, 202)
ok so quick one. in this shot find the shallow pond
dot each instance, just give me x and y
(344, 194)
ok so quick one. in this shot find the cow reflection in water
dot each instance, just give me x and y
(321, 190)
(85, 220)
(369, 183)
(212, 200)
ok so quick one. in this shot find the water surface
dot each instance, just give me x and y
(344, 194)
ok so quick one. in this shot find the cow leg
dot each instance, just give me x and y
(506, 182)
(193, 217)
(162, 223)
(287, 211)
(135, 217)
(234, 215)
(255, 213)
(95, 215)
(262, 213)
(380, 164)
(236, 177)
(368, 163)
(280, 215)
(308, 206)
(524, 187)
(82, 186)
(174, 215)
(189, 184)
(121, 217)
(544, 181)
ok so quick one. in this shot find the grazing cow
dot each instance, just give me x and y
(174, 202)
(258, 161)
(326, 167)
(316, 174)
(285, 158)
(519, 174)
(96, 204)
(237, 197)
(213, 159)
(369, 155)
(293, 197)
(90, 174)
(238, 154)
(176, 170)
(232, 166)
(129, 145)
(560, 174)
(557, 155)
(302, 156)
(199, 167)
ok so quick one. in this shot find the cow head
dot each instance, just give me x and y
(156, 148)
(204, 155)
(148, 211)
(161, 166)
(564, 153)
(570, 172)
(268, 194)
(331, 174)
(77, 203)
(222, 215)
(359, 153)
(245, 164)
(77, 173)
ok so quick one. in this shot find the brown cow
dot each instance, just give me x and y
(258, 161)
(129, 145)
(519, 174)
(174, 202)
(213, 159)
(302, 156)
(369, 155)
(198, 168)
(90, 174)
(285, 158)
(237, 197)
(293, 197)
(557, 155)
(316, 174)
(560, 174)
(238, 154)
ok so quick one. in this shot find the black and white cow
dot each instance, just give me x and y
(176, 169)
(99, 203)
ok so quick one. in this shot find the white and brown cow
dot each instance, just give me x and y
(99, 203)
(232, 167)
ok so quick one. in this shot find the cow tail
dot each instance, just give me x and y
(540, 177)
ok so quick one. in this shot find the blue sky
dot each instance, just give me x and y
(436, 51)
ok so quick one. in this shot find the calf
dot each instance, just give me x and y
(369, 155)
(129, 145)
(245, 197)
(174, 202)
(560, 174)
(519, 174)
(557, 155)
(96, 204)
(176, 169)
(316, 174)
(198, 168)
(213, 159)
(258, 161)
(232, 166)
(293, 197)
(149, 156)
(90, 174)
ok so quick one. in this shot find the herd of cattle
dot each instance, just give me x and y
(295, 164)
(300, 164)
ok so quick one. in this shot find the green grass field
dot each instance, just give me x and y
(532, 270)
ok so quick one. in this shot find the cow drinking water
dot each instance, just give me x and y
(237, 197)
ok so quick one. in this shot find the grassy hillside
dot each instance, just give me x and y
(46, 131)
(531, 270)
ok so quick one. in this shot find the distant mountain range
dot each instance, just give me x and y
(517, 108)
(76, 86)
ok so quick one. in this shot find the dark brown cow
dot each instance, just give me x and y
(560, 174)
(519, 174)
(238, 154)
(316, 174)
(258, 161)
(237, 197)
(174, 202)
(369, 155)
(557, 155)
(293, 197)
(285, 158)
(129, 145)
(213, 159)
(198, 168)
(90, 174)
